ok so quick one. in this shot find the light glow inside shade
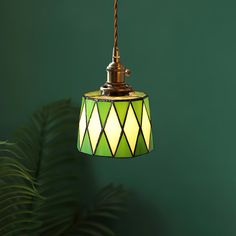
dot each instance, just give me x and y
(117, 127)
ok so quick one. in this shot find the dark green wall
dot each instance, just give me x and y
(183, 53)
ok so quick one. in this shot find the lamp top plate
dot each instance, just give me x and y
(96, 95)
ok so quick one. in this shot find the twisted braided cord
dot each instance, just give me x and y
(115, 23)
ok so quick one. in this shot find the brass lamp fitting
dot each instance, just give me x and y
(116, 73)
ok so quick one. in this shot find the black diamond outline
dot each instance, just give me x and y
(112, 104)
(135, 111)
(87, 124)
(133, 153)
(122, 126)
(149, 115)
(141, 133)
(89, 143)
(95, 104)
(147, 145)
(103, 129)
(151, 139)
(82, 106)
(91, 111)
(140, 127)
(107, 112)
(122, 129)
(85, 106)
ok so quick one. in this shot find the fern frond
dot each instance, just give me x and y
(109, 204)
(40, 179)
(16, 193)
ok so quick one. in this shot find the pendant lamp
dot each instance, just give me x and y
(115, 121)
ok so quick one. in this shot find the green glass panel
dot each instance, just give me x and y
(123, 149)
(89, 108)
(151, 143)
(82, 105)
(78, 141)
(103, 147)
(141, 146)
(121, 108)
(138, 107)
(147, 105)
(86, 146)
(103, 108)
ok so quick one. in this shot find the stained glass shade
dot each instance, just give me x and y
(118, 127)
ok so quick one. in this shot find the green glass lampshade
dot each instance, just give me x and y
(115, 126)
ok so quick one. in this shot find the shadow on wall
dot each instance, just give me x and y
(142, 219)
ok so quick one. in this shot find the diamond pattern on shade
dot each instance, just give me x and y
(94, 128)
(146, 102)
(113, 129)
(82, 126)
(138, 105)
(89, 108)
(151, 143)
(141, 145)
(103, 147)
(86, 146)
(146, 127)
(123, 149)
(82, 105)
(121, 108)
(103, 108)
(131, 128)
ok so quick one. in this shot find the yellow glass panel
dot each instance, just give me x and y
(82, 126)
(131, 128)
(94, 128)
(113, 129)
(146, 127)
